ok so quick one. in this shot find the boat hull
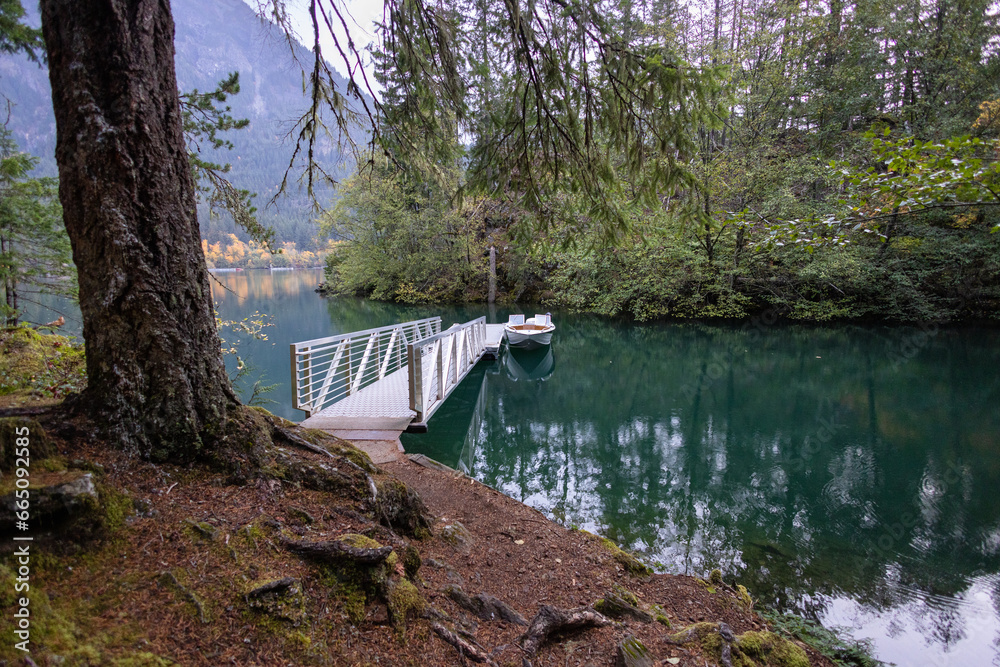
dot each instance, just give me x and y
(528, 340)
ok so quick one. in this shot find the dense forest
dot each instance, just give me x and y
(828, 160)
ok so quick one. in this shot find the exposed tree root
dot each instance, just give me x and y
(250, 449)
(485, 606)
(401, 508)
(276, 586)
(550, 620)
(294, 439)
(616, 605)
(465, 648)
(168, 579)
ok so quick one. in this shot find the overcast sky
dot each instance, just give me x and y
(360, 15)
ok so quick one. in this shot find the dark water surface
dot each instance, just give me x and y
(851, 474)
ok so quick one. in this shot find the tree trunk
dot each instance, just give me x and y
(9, 287)
(156, 380)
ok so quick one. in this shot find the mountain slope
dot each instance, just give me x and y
(212, 40)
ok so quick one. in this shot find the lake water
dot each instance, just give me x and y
(851, 474)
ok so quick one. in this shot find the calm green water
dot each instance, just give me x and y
(848, 473)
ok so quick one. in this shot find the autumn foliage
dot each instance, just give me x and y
(234, 253)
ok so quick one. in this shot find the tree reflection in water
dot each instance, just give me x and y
(847, 473)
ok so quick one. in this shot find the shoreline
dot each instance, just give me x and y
(183, 551)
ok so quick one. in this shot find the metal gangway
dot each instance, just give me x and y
(376, 383)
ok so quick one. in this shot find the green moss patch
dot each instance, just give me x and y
(57, 639)
(744, 596)
(319, 438)
(750, 649)
(631, 564)
(404, 602)
(35, 366)
(659, 615)
(823, 640)
(201, 530)
(766, 649)
(335, 445)
(357, 585)
(281, 599)
(18, 436)
(411, 562)
(401, 508)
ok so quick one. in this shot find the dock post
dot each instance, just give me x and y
(493, 275)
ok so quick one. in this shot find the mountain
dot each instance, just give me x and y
(213, 38)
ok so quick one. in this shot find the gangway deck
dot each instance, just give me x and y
(370, 386)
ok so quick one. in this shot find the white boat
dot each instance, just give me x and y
(529, 334)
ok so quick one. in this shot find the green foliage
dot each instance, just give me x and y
(34, 247)
(403, 241)
(16, 36)
(250, 384)
(557, 97)
(699, 144)
(911, 176)
(590, 106)
(940, 267)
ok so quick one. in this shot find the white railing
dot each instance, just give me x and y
(325, 370)
(438, 363)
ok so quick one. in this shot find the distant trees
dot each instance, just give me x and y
(720, 192)
(575, 101)
(34, 248)
(234, 253)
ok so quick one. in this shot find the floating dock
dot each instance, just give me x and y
(370, 386)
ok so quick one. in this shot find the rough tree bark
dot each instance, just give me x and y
(156, 380)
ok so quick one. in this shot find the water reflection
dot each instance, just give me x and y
(528, 365)
(842, 473)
